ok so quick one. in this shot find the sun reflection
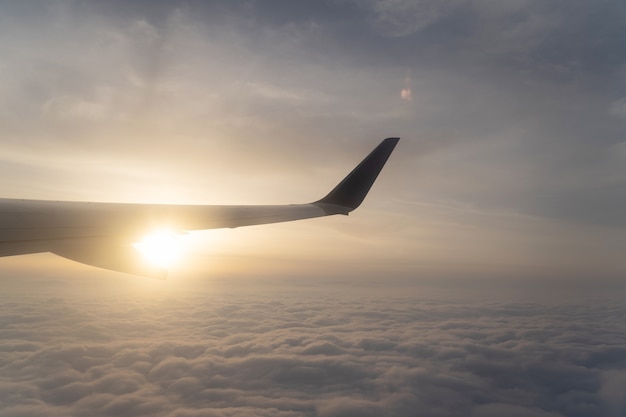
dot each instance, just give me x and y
(161, 248)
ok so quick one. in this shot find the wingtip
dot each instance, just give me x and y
(351, 191)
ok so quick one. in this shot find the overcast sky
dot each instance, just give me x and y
(511, 114)
(472, 281)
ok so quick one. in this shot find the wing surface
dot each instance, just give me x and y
(102, 234)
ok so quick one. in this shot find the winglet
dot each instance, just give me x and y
(351, 191)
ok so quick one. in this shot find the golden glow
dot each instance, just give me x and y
(161, 248)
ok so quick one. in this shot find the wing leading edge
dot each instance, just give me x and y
(102, 234)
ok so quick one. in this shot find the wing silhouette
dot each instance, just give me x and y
(102, 234)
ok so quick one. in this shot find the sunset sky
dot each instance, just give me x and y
(511, 114)
(510, 173)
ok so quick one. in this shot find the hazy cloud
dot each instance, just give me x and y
(618, 108)
(398, 18)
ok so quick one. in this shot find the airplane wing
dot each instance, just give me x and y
(102, 234)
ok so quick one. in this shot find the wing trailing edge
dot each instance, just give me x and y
(108, 254)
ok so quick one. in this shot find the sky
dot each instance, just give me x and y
(511, 116)
(508, 183)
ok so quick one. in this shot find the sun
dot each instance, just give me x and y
(161, 248)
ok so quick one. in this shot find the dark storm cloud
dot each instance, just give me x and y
(313, 355)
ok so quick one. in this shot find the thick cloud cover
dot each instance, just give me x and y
(313, 353)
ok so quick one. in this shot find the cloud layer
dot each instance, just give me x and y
(315, 353)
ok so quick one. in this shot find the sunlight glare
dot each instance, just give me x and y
(161, 248)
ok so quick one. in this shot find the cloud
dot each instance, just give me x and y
(244, 354)
(618, 108)
(514, 157)
(399, 18)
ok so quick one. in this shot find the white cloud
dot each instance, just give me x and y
(302, 355)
